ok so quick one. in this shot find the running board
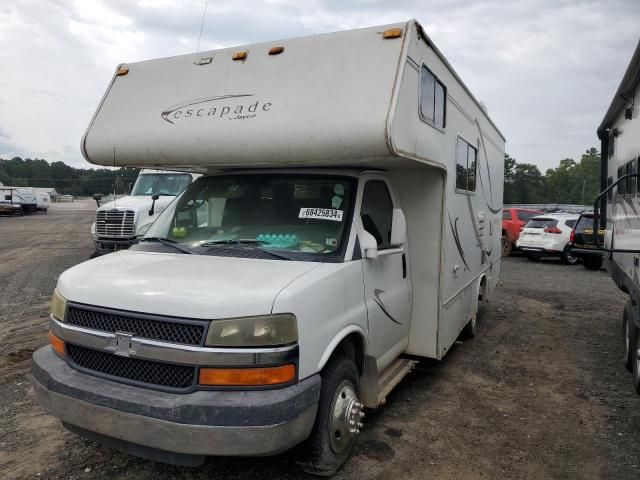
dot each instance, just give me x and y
(392, 376)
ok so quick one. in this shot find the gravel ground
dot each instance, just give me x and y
(540, 393)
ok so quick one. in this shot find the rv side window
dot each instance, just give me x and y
(466, 156)
(631, 181)
(621, 185)
(377, 212)
(610, 192)
(433, 96)
(610, 146)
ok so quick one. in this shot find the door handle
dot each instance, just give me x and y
(404, 265)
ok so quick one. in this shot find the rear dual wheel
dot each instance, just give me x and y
(592, 263)
(568, 258)
(630, 336)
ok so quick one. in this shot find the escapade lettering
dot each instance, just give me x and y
(239, 112)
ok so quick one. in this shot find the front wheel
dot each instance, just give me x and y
(569, 258)
(506, 245)
(338, 420)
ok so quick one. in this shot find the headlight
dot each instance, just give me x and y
(143, 229)
(260, 331)
(58, 306)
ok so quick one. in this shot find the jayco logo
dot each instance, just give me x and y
(226, 107)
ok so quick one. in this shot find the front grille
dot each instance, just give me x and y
(115, 223)
(133, 369)
(160, 329)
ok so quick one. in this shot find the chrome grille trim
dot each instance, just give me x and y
(115, 223)
(146, 349)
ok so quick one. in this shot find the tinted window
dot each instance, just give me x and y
(506, 214)
(161, 183)
(585, 223)
(466, 157)
(433, 95)
(610, 193)
(525, 215)
(377, 212)
(570, 223)
(541, 223)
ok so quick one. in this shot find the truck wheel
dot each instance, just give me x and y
(507, 246)
(470, 330)
(629, 334)
(636, 364)
(568, 258)
(338, 420)
(592, 263)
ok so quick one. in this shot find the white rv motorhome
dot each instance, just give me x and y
(23, 196)
(619, 134)
(119, 223)
(347, 225)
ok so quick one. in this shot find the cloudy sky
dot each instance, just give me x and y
(546, 69)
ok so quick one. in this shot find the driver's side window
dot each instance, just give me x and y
(376, 212)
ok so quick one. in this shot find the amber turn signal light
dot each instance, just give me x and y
(245, 377)
(276, 50)
(122, 71)
(392, 33)
(56, 344)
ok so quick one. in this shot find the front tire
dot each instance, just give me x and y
(507, 246)
(337, 421)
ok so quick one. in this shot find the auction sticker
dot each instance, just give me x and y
(321, 214)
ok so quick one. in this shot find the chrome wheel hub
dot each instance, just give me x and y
(346, 417)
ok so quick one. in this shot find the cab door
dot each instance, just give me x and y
(386, 278)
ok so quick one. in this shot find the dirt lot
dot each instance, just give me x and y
(541, 393)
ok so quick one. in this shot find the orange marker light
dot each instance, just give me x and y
(241, 55)
(122, 71)
(245, 377)
(276, 50)
(56, 344)
(392, 33)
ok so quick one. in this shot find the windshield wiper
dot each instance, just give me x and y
(168, 242)
(248, 243)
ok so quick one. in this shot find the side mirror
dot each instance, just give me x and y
(398, 228)
(97, 197)
(154, 197)
(368, 244)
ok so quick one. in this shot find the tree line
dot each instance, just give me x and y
(64, 178)
(571, 182)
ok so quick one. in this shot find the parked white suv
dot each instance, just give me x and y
(548, 235)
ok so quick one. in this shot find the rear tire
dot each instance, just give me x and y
(470, 330)
(629, 336)
(507, 246)
(568, 258)
(592, 263)
(333, 436)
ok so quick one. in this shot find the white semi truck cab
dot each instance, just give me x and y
(119, 222)
(347, 224)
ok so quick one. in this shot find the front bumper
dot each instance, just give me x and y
(108, 245)
(150, 423)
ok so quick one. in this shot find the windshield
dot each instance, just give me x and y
(161, 183)
(305, 215)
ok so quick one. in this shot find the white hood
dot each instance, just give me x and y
(137, 203)
(190, 286)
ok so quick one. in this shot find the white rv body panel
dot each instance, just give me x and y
(620, 132)
(43, 201)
